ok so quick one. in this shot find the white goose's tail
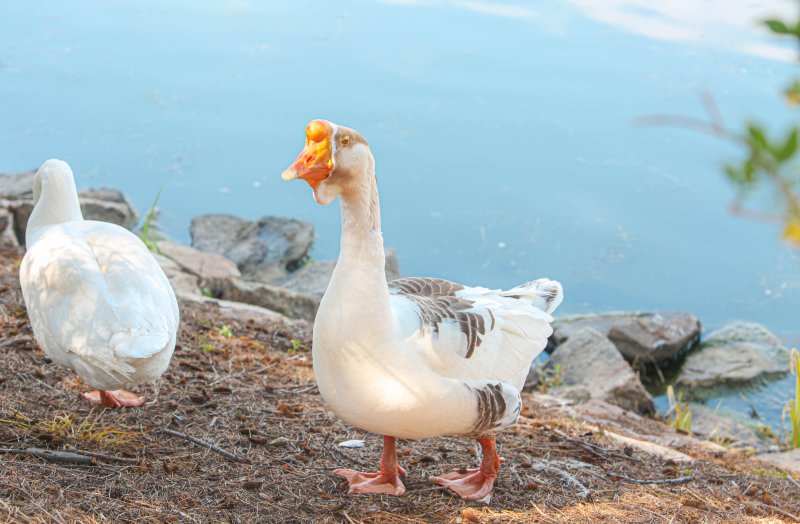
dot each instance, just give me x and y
(545, 294)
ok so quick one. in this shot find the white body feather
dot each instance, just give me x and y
(98, 301)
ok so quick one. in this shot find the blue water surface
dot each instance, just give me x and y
(503, 132)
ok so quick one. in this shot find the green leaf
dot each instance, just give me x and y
(757, 136)
(735, 175)
(779, 27)
(789, 147)
(749, 171)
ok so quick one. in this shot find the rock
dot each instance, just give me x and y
(247, 313)
(263, 250)
(107, 205)
(284, 301)
(642, 338)
(655, 449)
(614, 422)
(589, 362)
(716, 427)
(7, 235)
(741, 354)
(210, 269)
(655, 338)
(17, 186)
(313, 278)
(788, 460)
(183, 283)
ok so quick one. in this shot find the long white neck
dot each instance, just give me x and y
(55, 202)
(359, 280)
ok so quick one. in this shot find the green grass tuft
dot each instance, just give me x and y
(682, 419)
(148, 220)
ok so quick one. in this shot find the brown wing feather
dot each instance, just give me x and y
(437, 301)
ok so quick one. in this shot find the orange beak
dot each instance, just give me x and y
(314, 163)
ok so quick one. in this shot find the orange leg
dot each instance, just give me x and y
(114, 399)
(386, 481)
(475, 484)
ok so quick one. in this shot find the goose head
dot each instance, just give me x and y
(54, 175)
(55, 199)
(334, 161)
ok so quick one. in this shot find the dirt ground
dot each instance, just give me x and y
(265, 446)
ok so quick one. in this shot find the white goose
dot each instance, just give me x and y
(420, 357)
(98, 301)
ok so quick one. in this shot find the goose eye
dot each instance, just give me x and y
(344, 141)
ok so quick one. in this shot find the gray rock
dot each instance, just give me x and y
(289, 303)
(211, 270)
(590, 362)
(17, 186)
(642, 338)
(183, 283)
(788, 460)
(741, 354)
(263, 250)
(7, 235)
(250, 314)
(107, 205)
(715, 426)
(313, 278)
(655, 338)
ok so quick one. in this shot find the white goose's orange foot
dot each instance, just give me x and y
(120, 398)
(471, 485)
(474, 484)
(380, 483)
(386, 481)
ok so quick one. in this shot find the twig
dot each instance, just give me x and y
(782, 512)
(679, 480)
(13, 341)
(103, 456)
(62, 457)
(584, 492)
(793, 480)
(208, 445)
(348, 457)
(324, 444)
(596, 450)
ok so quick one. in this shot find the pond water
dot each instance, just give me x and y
(503, 132)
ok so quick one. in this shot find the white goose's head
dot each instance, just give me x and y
(54, 176)
(335, 160)
(55, 199)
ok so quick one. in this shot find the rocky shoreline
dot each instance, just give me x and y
(263, 267)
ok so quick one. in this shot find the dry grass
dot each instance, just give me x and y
(248, 395)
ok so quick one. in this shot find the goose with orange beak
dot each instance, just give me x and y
(417, 357)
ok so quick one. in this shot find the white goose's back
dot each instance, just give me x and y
(99, 303)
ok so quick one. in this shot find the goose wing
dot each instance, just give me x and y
(474, 333)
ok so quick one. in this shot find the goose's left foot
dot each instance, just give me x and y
(474, 484)
(120, 398)
(386, 481)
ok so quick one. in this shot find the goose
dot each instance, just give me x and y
(97, 300)
(419, 357)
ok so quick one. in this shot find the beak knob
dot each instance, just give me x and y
(290, 173)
